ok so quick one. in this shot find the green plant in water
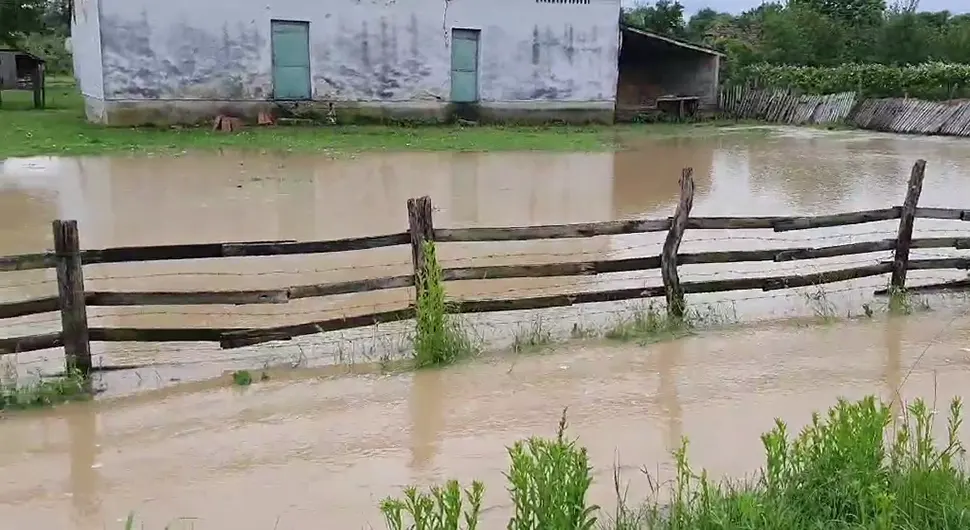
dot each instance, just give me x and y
(531, 338)
(441, 508)
(851, 468)
(903, 302)
(439, 337)
(548, 483)
(43, 392)
(649, 324)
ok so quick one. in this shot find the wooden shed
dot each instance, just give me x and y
(20, 70)
(657, 70)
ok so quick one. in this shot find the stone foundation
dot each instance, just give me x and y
(193, 112)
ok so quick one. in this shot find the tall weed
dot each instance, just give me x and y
(439, 336)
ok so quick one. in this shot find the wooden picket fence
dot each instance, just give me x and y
(72, 299)
(784, 106)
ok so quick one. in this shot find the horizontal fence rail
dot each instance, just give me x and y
(72, 299)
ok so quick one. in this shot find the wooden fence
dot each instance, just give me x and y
(72, 299)
(913, 116)
(782, 106)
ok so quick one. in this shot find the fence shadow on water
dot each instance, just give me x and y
(72, 300)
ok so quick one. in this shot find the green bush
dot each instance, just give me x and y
(857, 467)
(932, 81)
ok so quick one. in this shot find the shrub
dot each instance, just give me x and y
(933, 81)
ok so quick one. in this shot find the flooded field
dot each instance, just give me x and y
(307, 447)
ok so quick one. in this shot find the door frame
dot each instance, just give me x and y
(272, 55)
(478, 63)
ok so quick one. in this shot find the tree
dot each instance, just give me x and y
(19, 17)
(665, 17)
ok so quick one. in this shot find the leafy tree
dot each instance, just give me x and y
(665, 17)
(19, 17)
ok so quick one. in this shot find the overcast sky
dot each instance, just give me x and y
(736, 6)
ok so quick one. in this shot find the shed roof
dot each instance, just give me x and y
(670, 40)
(22, 52)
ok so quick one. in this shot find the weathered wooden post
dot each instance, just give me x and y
(905, 236)
(421, 227)
(668, 259)
(70, 293)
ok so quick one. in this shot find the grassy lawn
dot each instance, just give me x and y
(62, 129)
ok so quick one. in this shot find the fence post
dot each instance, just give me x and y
(668, 259)
(905, 236)
(421, 227)
(70, 294)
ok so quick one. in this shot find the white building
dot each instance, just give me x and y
(151, 61)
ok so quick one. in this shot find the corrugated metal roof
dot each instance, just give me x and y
(671, 40)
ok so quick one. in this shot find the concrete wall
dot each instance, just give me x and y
(86, 47)
(180, 56)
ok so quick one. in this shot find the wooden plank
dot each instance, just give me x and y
(581, 268)
(835, 250)
(564, 231)
(955, 285)
(939, 263)
(840, 219)
(156, 298)
(314, 247)
(250, 337)
(818, 278)
(12, 345)
(160, 334)
(906, 218)
(26, 262)
(70, 297)
(668, 257)
(33, 306)
(205, 251)
(356, 286)
(947, 214)
(556, 300)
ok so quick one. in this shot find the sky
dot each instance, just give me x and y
(736, 6)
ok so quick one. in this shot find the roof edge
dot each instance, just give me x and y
(671, 40)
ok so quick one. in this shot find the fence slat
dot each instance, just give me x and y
(12, 345)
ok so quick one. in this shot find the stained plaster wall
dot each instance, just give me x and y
(86, 48)
(179, 60)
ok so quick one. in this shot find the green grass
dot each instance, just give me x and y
(856, 467)
(45, 392)
(61, 129)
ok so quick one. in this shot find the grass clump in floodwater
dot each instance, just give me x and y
(548, 480)
(44, 392)
(650, 323)
(905, 302)
(855, 467)
(439, 336)
(534, 337)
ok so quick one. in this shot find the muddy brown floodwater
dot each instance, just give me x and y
(308, 448)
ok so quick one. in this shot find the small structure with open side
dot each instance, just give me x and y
(20, 70)
(661, 74)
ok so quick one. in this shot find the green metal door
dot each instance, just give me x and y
(291, 59)
(464, 65)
